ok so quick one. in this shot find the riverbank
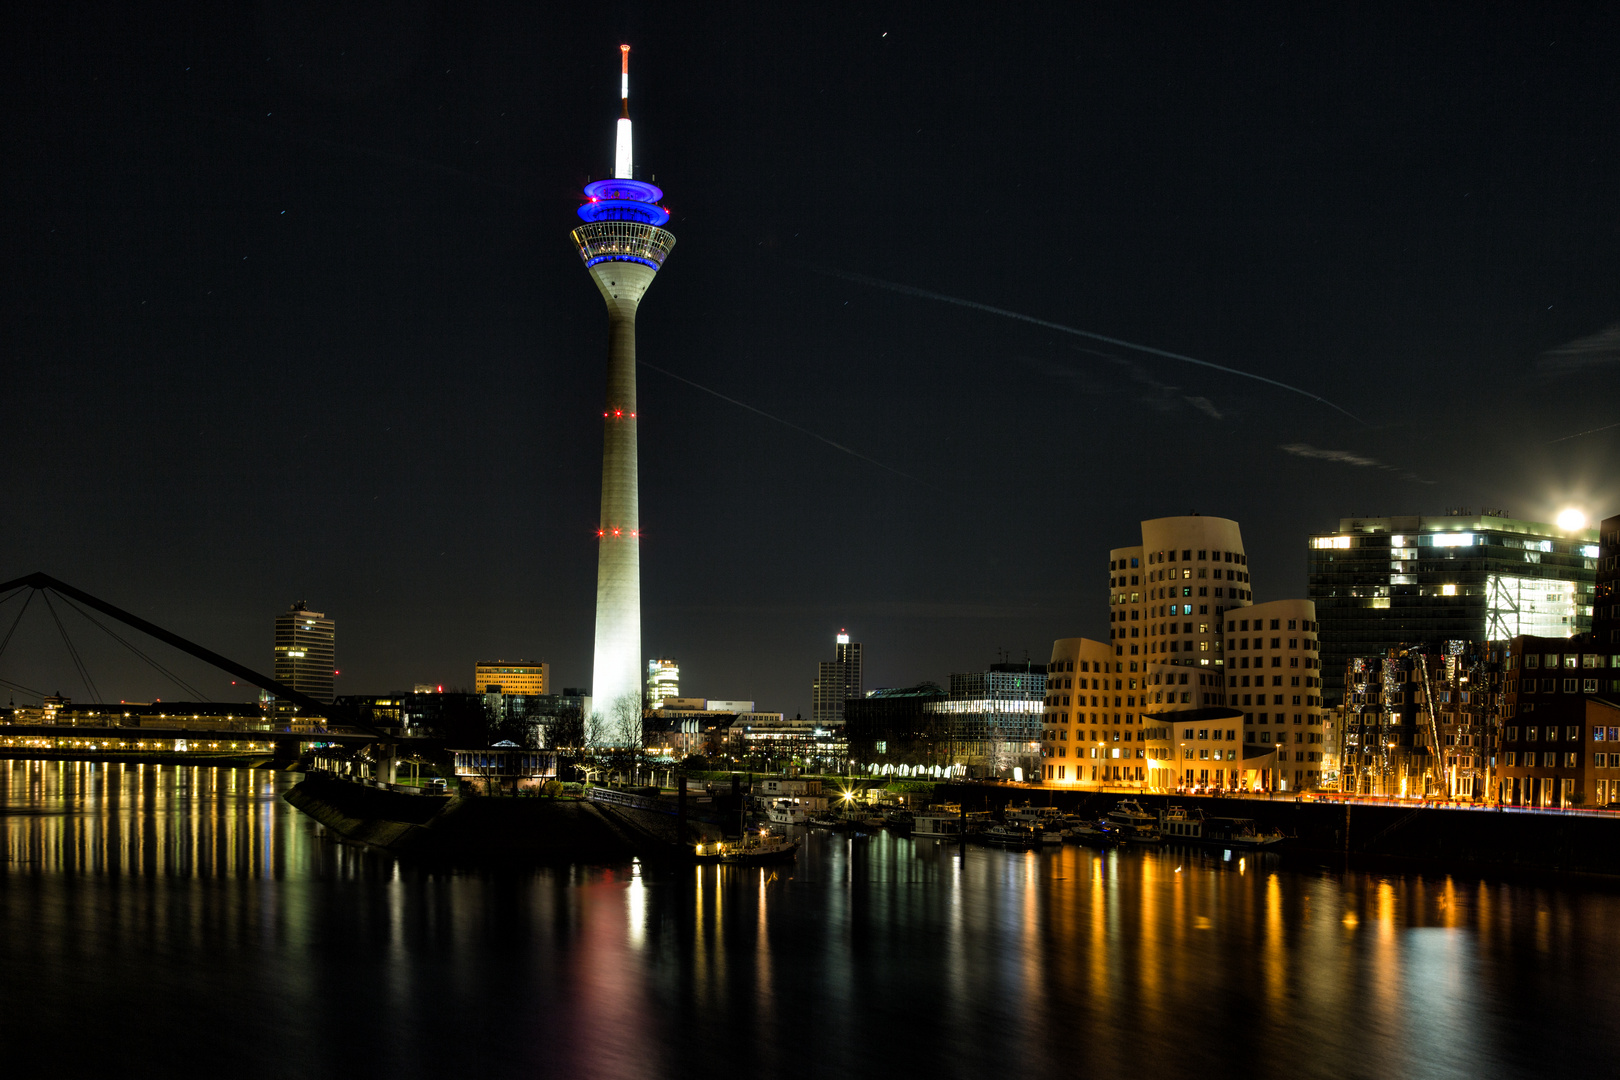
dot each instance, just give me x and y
(221, 758)
(491, 830)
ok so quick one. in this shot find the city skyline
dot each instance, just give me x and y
(283, 299)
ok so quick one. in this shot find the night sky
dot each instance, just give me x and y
(293, 313)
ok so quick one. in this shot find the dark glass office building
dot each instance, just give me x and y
(1606, 611)
(1380, 583)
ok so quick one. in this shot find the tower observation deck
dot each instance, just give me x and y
(623, 245)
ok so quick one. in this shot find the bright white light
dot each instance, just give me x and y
(621, 152)
(1571, 520)
(1454, 540)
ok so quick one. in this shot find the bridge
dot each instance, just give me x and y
(344, 724)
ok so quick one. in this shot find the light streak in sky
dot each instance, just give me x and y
(1578, 434)
(789, 423)
(911, 290)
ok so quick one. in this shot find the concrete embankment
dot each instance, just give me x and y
(1400, 837)
(486, 830)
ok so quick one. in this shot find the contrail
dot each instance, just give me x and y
(1578, 434)
(910, 290)
(789, 423)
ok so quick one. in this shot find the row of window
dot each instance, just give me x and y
(1311, 644)
(1550, 686)
(1547, 759)
(1186, 556)
(1570, 660)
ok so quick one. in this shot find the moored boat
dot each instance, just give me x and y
(755, 849)
(1130, 824)
(1008, 836)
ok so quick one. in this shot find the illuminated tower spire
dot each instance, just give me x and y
(623, 247)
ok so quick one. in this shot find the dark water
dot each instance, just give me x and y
(191, 919)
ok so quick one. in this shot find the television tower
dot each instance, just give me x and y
(623, 247)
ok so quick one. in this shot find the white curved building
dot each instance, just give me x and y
(1168, 702)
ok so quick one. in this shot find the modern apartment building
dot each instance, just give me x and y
(1390, 582)
(1560, 723)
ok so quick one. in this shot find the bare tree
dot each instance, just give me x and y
(627, 730)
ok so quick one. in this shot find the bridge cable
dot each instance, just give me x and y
(19, 686)
(7, 639)
(196, 695)
(84, 672)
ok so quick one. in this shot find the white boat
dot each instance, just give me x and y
(937, 825)
(1131, 824)
(1046, 820)
(1196, 827)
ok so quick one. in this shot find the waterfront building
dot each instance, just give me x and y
(1400, 706)
(1174, 699)
(503, 769)
(1561, 719)
(781, 740)
(837, 681)
(623, 246)
(983, 724)
(899, 726)
(1092, 730)
(504, 677)
(994, 717)
(305, 657)
(663, 681)
(1388, 582)
(1606, 594)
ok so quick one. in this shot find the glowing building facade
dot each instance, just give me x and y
(623, 246)
(1185, 695)
(663, 681)
(505, 677)
(1384, 583)
(305, 655)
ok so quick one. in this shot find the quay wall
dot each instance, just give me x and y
(1400, 837)
(484, 829)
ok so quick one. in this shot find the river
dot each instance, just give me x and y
(188, 917)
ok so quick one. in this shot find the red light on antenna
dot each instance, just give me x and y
(599, 532)
(615, 532)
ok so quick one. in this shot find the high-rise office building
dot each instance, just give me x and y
(1389, 582)
(623, 247)
(836, 682)
(504, 677)
(663, 681)
(305, 654)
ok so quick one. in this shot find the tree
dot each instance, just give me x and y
(626, 731)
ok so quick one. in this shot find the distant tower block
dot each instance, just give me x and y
(623, 247)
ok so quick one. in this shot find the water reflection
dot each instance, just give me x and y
(184, 913)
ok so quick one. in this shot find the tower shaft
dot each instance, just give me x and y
(617, 667)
